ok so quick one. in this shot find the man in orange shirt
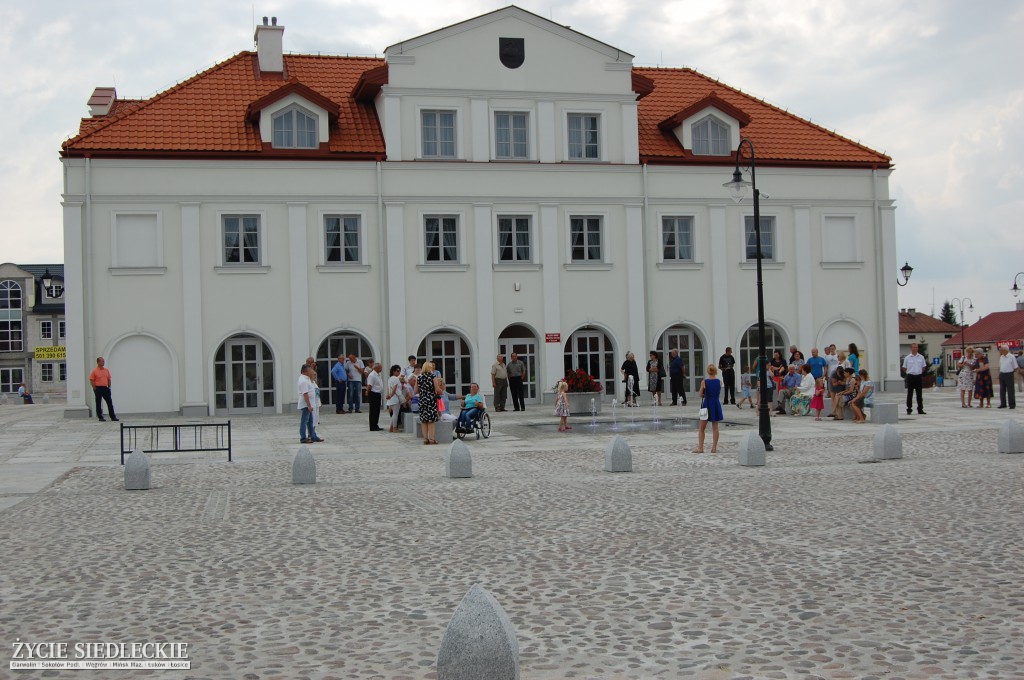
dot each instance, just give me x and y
(100, 381)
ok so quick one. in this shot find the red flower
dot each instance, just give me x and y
(581, 381)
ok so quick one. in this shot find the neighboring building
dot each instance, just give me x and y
(987, 335)
(32, 329)
(503, 184)
(925, 330)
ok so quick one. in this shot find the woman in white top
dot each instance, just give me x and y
(800, 402)
(393, 397)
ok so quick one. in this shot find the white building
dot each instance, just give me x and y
(504, 183)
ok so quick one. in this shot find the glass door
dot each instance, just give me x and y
(690, 349)
(244, 375)
(451, 354)
(526, 348)
(592, 352)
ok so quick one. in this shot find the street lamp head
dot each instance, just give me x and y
(1016, 289)
(906, 270)
(47, 278)
(738, 185)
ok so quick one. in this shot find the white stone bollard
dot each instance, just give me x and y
(3, 399)
(618, 457)
(888, 444)
(136, 471)
(303, 467)
(751, 452)
(885, 414)
(1011, 437)
(479, 641)
(457, 462)
(46, 398)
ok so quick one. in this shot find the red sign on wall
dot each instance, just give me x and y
(552, 337)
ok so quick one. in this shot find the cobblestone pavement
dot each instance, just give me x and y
(815, 566)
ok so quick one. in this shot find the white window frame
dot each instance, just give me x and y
(661, 239)
(43, 368)
(62, 371)
(116, 266)
(421, 137)
(600, 137)
(62, 329)
(263, 265)
(21, 320)
(46, 329)
(529, 138)
(441, 215)
(291, 110)
(532, 242)
(360, 230)
(726, 145)
(603, 231)
(774, 259)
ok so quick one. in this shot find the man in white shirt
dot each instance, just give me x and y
(307, 395)
(409, 370)
(355, 368)
(831, 361)
(374, 392)
(914, 365)
(1007, 369)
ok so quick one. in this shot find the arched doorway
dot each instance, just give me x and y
(340, 343)
(593, 351)
(243, 374)
(844, 331)
(687, 340)
(145, 375)
(521, 340)
(450, 352)
(774, 339)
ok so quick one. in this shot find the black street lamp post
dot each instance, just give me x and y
(1016, 289)
(963, 326)
(738, 186)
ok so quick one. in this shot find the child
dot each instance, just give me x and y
(562, 406)
(745, 386)
(818, 400)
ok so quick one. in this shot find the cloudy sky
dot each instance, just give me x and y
(936, 84)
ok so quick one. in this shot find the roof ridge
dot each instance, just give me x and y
(765, 102)
(155, 98)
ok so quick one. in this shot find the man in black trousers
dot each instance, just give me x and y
(726, 364)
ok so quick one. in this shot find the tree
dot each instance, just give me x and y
(948, 313)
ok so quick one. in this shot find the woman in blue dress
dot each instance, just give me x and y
(710, 398)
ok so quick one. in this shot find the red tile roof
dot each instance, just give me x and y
(779, 137)
(207, 115)
(996, 327)
(916, 322)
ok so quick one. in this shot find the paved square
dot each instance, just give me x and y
(815, 566)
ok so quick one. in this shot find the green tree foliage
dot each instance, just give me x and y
(948, 313)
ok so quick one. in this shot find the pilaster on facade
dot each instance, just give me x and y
(74, 312)
(635, 290)
(889, 333)
(486, 340)
(192, 312)
(480, 127)
(546, 152)
(394, 233)
(804, 308)
(721, 331)
(551, 276)
(298, 284)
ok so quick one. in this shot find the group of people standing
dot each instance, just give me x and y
(974, 378)
(655, 373)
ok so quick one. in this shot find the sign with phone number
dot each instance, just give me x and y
(46, 353)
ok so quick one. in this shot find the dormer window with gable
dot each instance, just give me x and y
(295, 128)
(711, 137)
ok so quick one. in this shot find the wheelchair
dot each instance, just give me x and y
(481, 425)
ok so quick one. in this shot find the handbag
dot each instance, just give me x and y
(440, 405)
(703, 415)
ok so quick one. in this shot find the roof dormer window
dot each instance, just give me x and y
(711, 137)
(295, 128)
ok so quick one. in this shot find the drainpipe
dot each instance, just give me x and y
(647, 283)
(87, 248)
(382, 258)
(881, 277)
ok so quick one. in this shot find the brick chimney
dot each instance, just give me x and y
(270, 46)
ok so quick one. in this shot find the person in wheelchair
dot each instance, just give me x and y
(473, 407)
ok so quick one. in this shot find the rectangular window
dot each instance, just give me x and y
(441, 239)
(584, 136)
(10, 331)
(438, 134)
(839, 239)
(511, 140)
(585, 239)
(241, 239)
(46, 372)
(341, 239)
(677, 239)
(46, 330)
(767, 238)
(514, 238)
(10, 380)
(61, 329)
(62, 372)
